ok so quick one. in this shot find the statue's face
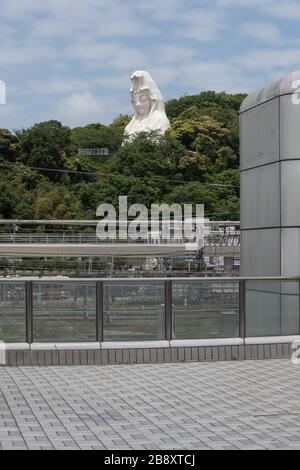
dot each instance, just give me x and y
(142, 103)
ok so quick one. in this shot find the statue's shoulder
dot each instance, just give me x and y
(159, 120)
(130, 126)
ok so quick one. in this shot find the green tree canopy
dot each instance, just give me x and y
(197, 161)
(97, 136)
(9, 146)
(46, 145)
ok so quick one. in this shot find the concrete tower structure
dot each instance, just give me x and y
(270, 203)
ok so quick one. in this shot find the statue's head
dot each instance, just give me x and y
(148, 105)
(141, 102)
(145, 95)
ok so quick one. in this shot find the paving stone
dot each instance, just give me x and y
(207, 405)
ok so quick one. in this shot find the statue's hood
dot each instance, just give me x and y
(142, 81)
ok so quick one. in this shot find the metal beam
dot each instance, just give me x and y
(86, 222)
(38, 250)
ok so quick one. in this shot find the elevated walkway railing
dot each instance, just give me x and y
(117, 310)
(211, 240)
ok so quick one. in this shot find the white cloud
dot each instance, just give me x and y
(264, 32)
(105, 54)
(80, 51)
(245, 3)
(200, 21)
(56, 86)
(18, 10)
(78, 107)
(288, 9)
(8, 113)
(18, 54)
(165, 74)
(174, 53)
(117, 81)
(202, 25)
(63, 17)
(267, 59)
(9, 110)
(215, 76)
(163, 11)
(85, 107)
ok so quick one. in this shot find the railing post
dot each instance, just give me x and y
(299, 303)
(242, 308)
(168, 310)
(29, 311)
(99, 311)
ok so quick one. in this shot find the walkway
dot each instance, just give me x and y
(223, 405)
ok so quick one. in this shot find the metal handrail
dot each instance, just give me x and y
(211, 240)
(149, 279)
(168, 282)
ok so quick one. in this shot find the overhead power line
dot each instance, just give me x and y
(143, 178)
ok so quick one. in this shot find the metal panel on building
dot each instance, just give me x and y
(260, 201)
(260, 252)
(260, 135)
(270, 194)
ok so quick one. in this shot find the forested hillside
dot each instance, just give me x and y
(42, 175)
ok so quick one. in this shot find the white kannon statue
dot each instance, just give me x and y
(148, 105)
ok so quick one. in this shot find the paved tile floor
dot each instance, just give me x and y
(223, 405)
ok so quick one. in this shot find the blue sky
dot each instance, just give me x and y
(71, 59)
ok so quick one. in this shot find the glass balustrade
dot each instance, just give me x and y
(70, 310)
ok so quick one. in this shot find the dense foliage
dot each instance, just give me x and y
(196, 161)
